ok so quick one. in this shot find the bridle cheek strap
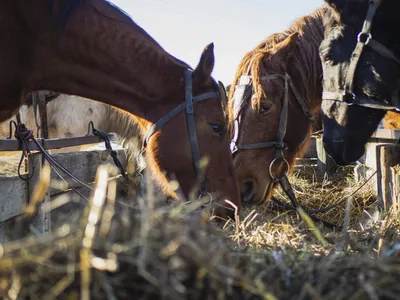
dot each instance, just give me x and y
(188, 106)
(355, 57)
(191, 126)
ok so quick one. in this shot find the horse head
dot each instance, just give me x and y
(361, 72)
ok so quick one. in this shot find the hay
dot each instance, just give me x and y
(339, 188)
(147, 250)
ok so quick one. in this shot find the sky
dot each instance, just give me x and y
(185, 27)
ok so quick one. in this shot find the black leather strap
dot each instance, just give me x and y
(191, 123)
(361, 42)
(188, 106)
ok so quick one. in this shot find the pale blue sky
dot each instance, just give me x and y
(185, 27)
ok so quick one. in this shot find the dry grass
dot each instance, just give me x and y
(269, 227)
(146, 250)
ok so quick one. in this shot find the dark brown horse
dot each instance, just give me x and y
(92, 49)
(266, 132)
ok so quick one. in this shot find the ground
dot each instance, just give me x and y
(152, 250)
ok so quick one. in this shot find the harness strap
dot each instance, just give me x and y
(261, 145)
(296, 93)
(161, 122)
(191, 123)
(282, 123)
(188, 106)
(170, 115)
(362, 101)
(355, 57)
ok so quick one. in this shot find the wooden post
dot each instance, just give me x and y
(43, 115)
(388, 160)
(325, 164)
(42, 219)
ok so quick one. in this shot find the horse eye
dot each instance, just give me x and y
(265, 107)
(218, 128)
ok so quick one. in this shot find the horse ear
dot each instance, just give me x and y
(285, 49)
(203, 71)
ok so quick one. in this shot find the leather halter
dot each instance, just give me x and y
(364, 38)
(241, 96)
(188, 106)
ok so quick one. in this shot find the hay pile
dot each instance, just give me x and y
(146, 250)
(119, 251)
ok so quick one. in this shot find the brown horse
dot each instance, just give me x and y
(267, 133)
(293, 56)
(92, 49)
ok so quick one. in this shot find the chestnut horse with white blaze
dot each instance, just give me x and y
(90, 48)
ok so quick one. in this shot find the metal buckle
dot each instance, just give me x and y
(367, 39)
(274, 178)
(348, 98)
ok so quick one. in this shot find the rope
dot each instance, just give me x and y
(103, 135)
(24, 135)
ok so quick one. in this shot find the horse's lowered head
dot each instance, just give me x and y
(268, 125)
(198, 131)
(361, 71)
(92, 49)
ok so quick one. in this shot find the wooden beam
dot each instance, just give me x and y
(388, 161)
(41, 220)
(14, 144)
(392, 134)
(325, 165)
(15, 193)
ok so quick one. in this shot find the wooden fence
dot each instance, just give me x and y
(16, 193)
(381, 156)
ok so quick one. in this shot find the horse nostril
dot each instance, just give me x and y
(248, 191)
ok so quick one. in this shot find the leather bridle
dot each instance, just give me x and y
(364, 38)
(243, 91)
(188, 106)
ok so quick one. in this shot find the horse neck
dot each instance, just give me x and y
(122, 123)
(306, 73)
(103, 55)
(305, 66)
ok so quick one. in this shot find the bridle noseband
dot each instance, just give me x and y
(243, 91)
(188, 106)
(364, 38)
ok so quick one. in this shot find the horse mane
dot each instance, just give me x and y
(311, 30)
